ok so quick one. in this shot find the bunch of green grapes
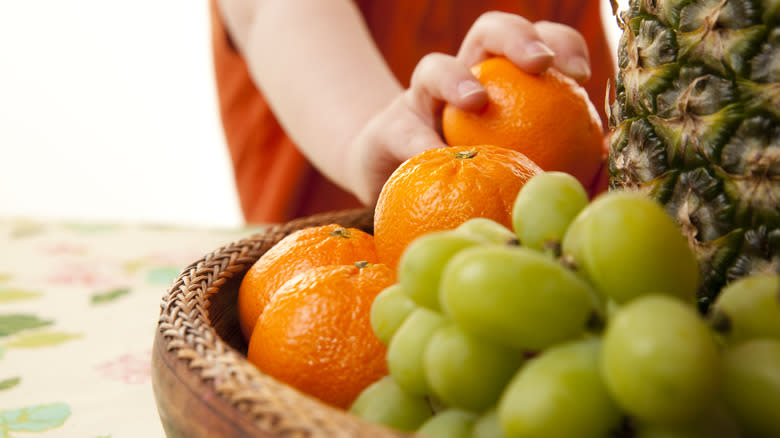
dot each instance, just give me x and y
(580, 321)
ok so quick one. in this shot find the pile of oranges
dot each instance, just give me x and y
(304, 306)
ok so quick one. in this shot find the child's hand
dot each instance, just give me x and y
(531, 46)
(411, 123)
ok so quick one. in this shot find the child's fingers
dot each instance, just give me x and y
(441, 78)
(391, 137)
(531, 46)
(571, 50)
(510, 35)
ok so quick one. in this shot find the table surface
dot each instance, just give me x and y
(78, 310)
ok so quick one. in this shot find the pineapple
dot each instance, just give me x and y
(695, 124)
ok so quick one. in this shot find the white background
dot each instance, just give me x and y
(108, 113)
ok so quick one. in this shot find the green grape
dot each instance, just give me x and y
(559, 394)
(452, 423)
(665, 431)
(489, 230)
(571, 251)
(627, 245)
(389, 310)
(487, 426)
(466, 372)
(659, 360)
(573, 244)
(421, 264)
(545, 207)
(612, 308)
(751, 386)
(748, 308)
(717, 422)
(684, 431)
(406, 349)
(384, 402)
(515, 296)
(436, 404)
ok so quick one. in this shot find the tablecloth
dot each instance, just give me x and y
(78, 309)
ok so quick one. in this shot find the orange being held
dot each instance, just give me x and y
(441, 188)
(315, 334)
(299, 251)
(548, 117)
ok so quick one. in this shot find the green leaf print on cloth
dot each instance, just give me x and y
(25, 229)
(33, 418)
(111, 295)
(8, 295)
(43, 339)
(13, 324)
(9, 383)
(85, 228)
(10, 324)
(163, 275)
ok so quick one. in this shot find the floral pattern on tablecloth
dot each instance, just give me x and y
(78, 310)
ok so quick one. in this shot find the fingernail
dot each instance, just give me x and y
(537, 49)
(468, 88)
(578, 68)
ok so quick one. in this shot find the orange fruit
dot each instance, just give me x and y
(316, 336)
(441, 188)
(548, 117)
(301, 250)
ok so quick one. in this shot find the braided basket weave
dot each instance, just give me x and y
(203, 384)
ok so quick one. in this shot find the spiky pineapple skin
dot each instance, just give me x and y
(695, 124)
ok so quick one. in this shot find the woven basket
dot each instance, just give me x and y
(203, 384)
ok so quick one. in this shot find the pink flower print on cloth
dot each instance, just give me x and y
(85, 274)
(130, 368)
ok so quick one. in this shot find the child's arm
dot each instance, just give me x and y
(316, 64)
(330, 88)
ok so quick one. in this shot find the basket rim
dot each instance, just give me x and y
(188, 341)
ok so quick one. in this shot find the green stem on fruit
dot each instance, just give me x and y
(465, 155)
(595, 322)
(568, 262)
(341, 232)
(720, 322)
(435, 405)
(552, 247)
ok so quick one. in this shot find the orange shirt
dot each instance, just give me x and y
(274, 180)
